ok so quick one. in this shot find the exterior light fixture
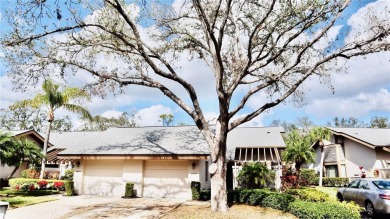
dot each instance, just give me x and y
(193, 165)
(78, 163)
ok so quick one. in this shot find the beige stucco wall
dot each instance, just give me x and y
(133, 172)
(357, 155)
(382, 159)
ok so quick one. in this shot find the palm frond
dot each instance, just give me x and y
(77, 109)
(75, 93)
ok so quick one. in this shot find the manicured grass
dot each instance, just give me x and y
(21, 201)
(17, 198)
(331, 191)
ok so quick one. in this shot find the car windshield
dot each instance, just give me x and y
(381, 184)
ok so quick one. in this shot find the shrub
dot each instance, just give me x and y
(307, 176)
(129, 190)
(51, 183)
(59, 185)
(331, 181)
(205, 195)
(329, 210)
(278, 201)
(42, 184)
(195, 190)
(52, 174)
(69, 174)
(308, 194)
(244, 195)
(257, 197)
(30, 174)
(69, 187)
(233, 196)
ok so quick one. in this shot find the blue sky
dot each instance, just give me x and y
(362, 93)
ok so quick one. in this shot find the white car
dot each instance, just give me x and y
(371, 193)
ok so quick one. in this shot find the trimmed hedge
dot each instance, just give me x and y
(205, 195)
(195, 190)
(328, 210)
(69, 188)
(129, 190)
(331, 181)
(308, 194)
(278, 201)
(22, 181)
(315, 204)
(307, 176)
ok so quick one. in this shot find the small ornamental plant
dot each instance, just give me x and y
(17, 187)
(376, 173)
(32, 187)
(42, 184)
(58, 185)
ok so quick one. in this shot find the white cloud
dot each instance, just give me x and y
(354, 106)
(368, 20)
(111, 113)
(151, 116)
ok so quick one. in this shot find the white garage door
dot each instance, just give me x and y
(167, 179)
(104, 177)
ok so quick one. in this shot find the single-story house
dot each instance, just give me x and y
(31, 135)
(161, 161)
(352, 148)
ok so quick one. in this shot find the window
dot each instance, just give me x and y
(364, 185)
(354, 184)
(206, 171)
(331, 171)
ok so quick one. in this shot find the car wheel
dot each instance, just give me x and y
(340, 197)
(370, 210)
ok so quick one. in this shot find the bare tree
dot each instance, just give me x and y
(250, 47)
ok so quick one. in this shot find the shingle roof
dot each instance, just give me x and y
(183, 140)
(373, 136)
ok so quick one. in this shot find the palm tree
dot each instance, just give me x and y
(319, 134)
(54, 99)
(255, 175)
(5, 142)
(298, 151)
(19, 150)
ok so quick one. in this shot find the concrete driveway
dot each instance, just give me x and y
(81, 207)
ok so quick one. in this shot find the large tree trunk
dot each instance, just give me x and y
(218, 178)
(13, 172)
(46, 142)
(321, 165)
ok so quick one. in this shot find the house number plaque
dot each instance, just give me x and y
(212, 168)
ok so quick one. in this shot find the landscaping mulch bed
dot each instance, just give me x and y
(195, 210)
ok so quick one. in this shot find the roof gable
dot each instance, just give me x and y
(374, 137)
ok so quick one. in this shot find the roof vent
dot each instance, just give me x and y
(268, 132)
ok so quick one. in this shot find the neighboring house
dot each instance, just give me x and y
(352, 148)
(31, 135)
(161, 161)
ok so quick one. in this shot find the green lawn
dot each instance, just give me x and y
(17, 198)
(331, 191)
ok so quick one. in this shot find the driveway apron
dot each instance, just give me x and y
(82, 207)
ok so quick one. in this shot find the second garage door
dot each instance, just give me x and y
(167, 179)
